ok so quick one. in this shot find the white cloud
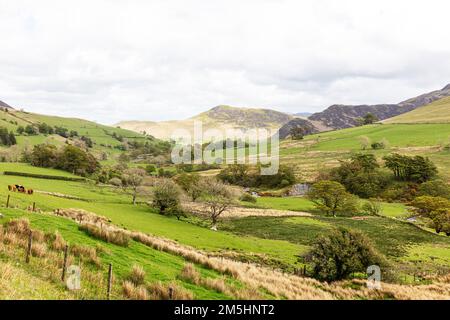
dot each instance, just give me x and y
(154, 60)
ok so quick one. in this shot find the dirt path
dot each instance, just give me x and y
(239, 212)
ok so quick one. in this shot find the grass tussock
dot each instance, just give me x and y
(105, 233)
(38, 250)
(275, 283)
(169, 291)
(80, 216)
(136, 275)
(57, 242)
(19, 227)
(190, 274)
(86, 253)
(133, 292)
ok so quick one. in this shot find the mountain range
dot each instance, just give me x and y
(221, 118)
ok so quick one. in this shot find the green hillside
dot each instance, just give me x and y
(107, 141)
(436, 112)
(270, 242)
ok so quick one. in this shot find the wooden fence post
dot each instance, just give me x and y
(34, 206)
(170, 293)
(7, 201)
(30, 242)
(109, 281)
(66, 253)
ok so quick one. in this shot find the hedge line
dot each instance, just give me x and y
(42, 176)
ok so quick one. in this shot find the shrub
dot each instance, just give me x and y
(361, 176)
(372, 207)
(343, 252)
(331, 198)
(415, 169)
(246, 197)
(434, 188)
(190, 183)
(166, 197)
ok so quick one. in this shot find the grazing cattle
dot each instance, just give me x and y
(19, 188)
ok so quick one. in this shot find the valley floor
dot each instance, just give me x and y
(272, 242)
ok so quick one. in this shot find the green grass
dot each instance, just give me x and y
(398, 135)
(436, 254)
(282, 203)
(158, 265)
(26, 168)
(302, 204)
(101, 135)
(116, 205)
(390, 237)
(436, 112)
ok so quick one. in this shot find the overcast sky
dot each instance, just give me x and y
(157, 60)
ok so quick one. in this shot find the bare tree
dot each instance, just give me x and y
(218, 197)
(133, 179)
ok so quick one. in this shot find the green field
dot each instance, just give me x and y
(398, 135)
(436, 112)
(159, 266)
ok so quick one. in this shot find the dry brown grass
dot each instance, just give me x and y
(105, 233)
(136, 275)
(160, 291)
(58, 243)
(38, 250)
(240, 212)
(277, 284)
(133, 292)
(86, 253)
(81, 215)
(19, 227)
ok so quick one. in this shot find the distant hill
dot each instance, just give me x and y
(345, 116)
(221, 118)
(435, 112)
(307, 126)
(5, 105)
(303, 114)
(106, 140)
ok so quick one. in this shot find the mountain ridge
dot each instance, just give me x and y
(339, 116)
(221, 117)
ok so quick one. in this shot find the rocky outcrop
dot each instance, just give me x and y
(307, 126)
(346, 116)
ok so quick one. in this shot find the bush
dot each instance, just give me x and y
(372, 207)
(434, 188)
(331, 198)
(361, 176)
(246, 176)
(166, 198)
(246, 197)
(343, 252)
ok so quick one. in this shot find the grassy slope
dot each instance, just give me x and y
(159, 266)
(436, 112)
(100, 134)
(321, 151)
(116, 205)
